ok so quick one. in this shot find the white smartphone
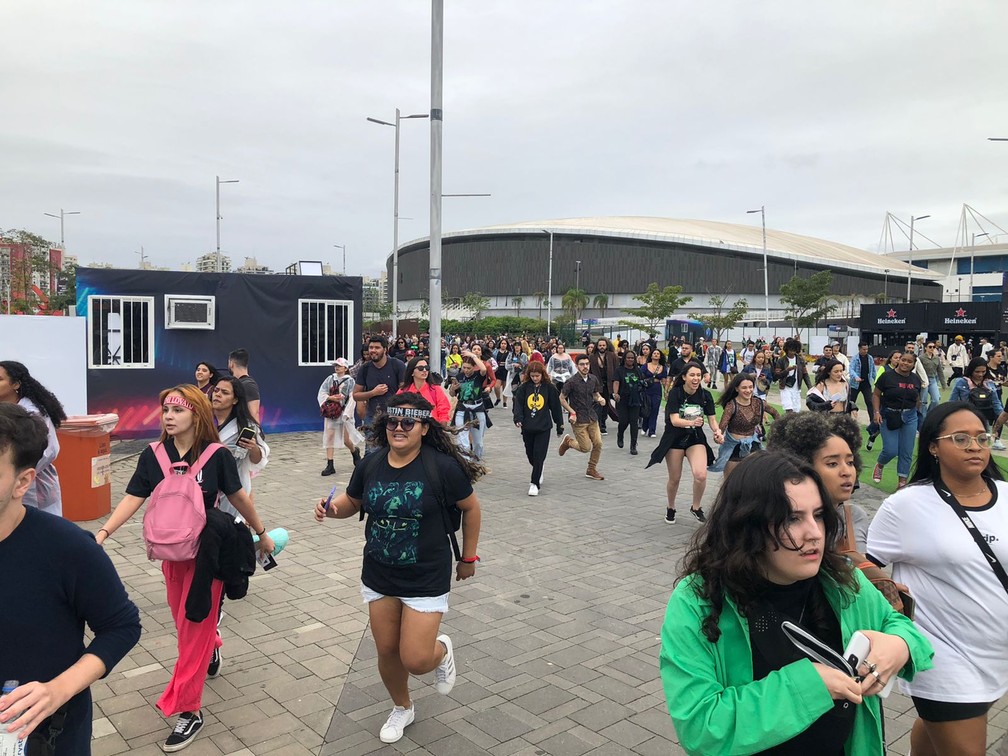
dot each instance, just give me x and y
(856, 653)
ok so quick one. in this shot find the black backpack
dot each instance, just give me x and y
(982, 398)
(450, 513)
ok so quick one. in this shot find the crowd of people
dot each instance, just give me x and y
(784, 545)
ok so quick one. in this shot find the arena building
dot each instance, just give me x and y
(619, 256)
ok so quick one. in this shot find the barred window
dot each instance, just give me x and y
(324, 331)
(120, 332)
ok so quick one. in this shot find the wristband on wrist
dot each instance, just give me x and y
(263, 531)
(469, 560)
(103, 530)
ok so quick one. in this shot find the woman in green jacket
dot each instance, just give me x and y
(734, 683)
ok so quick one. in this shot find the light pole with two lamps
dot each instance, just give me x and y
(766, 279)
(60, 217)
(220, 262)
(973, 258)
(395, 217)
(910, 255)
(342, 247)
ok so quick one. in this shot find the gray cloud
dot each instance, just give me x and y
(828, 115)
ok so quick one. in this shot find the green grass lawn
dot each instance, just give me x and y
(870, 458)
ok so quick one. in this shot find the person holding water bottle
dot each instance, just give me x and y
(55, 579)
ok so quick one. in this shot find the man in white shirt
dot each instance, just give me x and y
(957, 356)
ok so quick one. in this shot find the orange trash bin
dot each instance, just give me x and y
(84, 465)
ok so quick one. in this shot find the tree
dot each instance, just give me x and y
(601, 302)
(540, 297)
(574, 301)
(517, 302)
(807, 299)
(424, 307)
(475, 303)
(656, 305)
(31, 273)
(722, 319)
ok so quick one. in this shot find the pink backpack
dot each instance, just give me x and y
(176, 514)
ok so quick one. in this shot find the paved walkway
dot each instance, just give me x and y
(556, 638)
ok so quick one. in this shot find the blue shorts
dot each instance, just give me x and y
(425, 604)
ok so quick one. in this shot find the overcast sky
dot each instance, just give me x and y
(830, 115)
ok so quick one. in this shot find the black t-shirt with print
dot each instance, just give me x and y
(371, 376)
(220, 474)
(688, 406)
(406, 552)
(898, 392)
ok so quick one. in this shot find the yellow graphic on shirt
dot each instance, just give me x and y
(536, 402)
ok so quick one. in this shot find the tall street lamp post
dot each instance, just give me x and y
(766, 278)
(913, 219)
(395, 217)
(60, 216)
(220, 263)
(885, 286)
(973, 258)
(342, 247)
(549, 287)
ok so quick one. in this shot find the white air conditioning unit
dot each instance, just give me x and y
(189, 312)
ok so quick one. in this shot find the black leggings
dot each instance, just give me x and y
(628, 417)
(536, 447)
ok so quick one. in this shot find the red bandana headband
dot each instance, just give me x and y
(181, 401)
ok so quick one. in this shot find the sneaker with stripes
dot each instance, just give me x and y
(445, 672)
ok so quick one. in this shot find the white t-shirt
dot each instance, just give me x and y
(962, 607)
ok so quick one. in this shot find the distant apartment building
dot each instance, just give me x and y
(28, 275)
(375, 294)
(252, 266)
(208, 263)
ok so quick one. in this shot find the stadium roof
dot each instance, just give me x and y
(701, 233)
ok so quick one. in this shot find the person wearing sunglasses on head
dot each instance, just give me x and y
(418, 380)
(946, 537)
(407, 490)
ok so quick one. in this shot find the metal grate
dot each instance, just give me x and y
(324, 330)
(121, 332)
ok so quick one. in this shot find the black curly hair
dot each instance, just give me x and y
(749, 517)
(440, 437)
(804, 433)
(35, 392)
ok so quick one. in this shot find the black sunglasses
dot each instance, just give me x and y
(406, 423)
(421, 367)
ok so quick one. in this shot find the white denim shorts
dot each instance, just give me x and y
(425, 604)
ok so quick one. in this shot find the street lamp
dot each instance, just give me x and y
(885, 286)
(343, 247)
(60, 216)
(220, 263)
(766, 280)
(549, 288)
(395, 217)
(973, 257)
(910, 256)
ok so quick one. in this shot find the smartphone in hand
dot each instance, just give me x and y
(247, 434)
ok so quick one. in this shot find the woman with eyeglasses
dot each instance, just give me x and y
(411, 490)
(930, 532)
(417, 379)
(977, 389)
(896, 404)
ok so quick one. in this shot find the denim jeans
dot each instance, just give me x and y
(476, 431)
(899, 443)
(930, 397)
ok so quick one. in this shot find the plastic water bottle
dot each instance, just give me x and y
(9, 743)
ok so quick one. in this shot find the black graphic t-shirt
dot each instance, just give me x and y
(220, 474)
(406, 552)
(899, 392)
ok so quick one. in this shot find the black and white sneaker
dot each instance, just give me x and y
(186, 728)
(670, 516)
(213, 669)
(699, 514)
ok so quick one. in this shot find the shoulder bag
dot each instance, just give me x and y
(974, 531)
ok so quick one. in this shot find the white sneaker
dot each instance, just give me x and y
(999, 445)
(445, 672)
(398, 720)
(533, 490)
